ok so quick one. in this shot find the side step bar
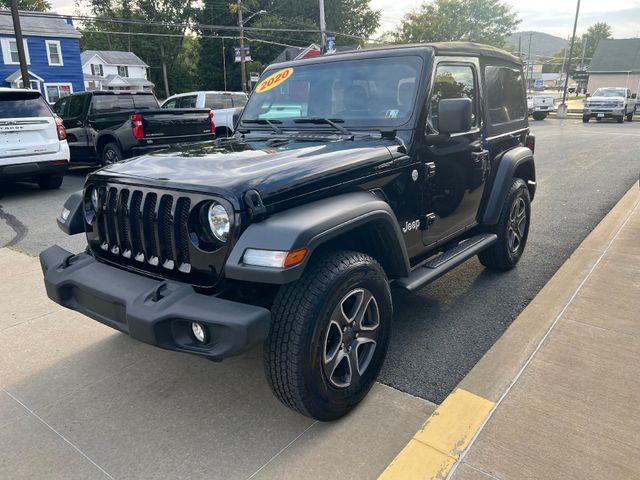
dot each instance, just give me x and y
(447, 260)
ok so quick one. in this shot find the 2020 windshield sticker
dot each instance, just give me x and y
(274, 80)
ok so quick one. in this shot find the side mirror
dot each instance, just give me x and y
(634, 96)
(455, 115)
(587, 95)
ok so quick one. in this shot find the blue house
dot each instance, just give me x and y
(52, 47)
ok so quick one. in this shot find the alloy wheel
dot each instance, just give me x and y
(517, 224)
(351, 338)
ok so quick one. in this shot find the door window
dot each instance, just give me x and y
(76, 106)
(60, 108)
(187, 102)
(452, 81)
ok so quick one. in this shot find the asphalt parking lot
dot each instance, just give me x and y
(442, 331)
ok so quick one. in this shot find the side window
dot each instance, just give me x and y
(170, 104)
(60, 108)
(505, 95)
(187, 102)
(453, 81)
(76, 106)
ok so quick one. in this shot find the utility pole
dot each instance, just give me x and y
(562, 110)
(529, 65)
(243, 64)
(224, 66)
(20, 44)
(323, 29)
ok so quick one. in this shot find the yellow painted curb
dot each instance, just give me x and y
(434, 450)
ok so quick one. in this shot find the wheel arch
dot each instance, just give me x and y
(102, 141)
(359, 221)
(515, 163)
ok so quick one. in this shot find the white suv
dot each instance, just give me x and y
(33, 143)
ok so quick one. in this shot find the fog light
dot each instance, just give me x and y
(199, 332)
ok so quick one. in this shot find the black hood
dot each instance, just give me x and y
(232, 167)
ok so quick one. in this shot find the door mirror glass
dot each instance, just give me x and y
(455, 115)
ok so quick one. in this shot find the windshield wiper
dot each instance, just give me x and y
(264, 121)
(328, 121)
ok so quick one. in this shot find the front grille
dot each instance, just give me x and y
(148, 227)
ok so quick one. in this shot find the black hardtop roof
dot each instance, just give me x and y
(451, 49)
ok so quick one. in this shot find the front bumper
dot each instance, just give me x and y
(603, 113)
(155, 312)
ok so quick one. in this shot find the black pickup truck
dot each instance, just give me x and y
(348, 175)
(108, 126)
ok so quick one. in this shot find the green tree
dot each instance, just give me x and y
(353, 21)
(587, 43)
(32, 5)
(482, 21)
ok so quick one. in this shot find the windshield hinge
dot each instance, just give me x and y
(257, 210)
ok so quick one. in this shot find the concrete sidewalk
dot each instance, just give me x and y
(79, 400)
(558, 395)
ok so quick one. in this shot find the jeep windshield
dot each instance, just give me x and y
(609, 92)
(366, 93)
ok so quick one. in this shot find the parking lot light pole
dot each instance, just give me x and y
(20, 44)
(562, 109)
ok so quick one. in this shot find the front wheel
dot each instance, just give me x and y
(329, 335)
(620, 119)
(512, 229)
(585, 118)
(630, 116)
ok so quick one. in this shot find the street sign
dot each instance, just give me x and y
(580, 75)
(331, 44)
(539, 83)
(247, 54)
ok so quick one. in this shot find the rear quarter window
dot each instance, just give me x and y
(18, 105)
(506, 102)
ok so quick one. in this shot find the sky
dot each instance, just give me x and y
(549, 16)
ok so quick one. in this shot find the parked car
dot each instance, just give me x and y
(226, 107)
(109, 126)
(610, 102)
(540, 106)
(32, 139)
(293, 232)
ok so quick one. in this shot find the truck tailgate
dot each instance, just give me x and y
(178, 122)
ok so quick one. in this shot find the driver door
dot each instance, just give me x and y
(456, 165)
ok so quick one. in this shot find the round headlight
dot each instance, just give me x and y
(94, 198)
(219, 222)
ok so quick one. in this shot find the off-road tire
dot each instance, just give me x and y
(500, 255)
(539, 115)
(110, 154)
(50, 183)
(585, 118)
(301, 316)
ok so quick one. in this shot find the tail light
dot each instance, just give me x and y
(62, 132)
(138, 128)
(213, 124)
(531, 142)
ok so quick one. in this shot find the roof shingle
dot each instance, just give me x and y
(48, 24)
(616, 56)
(112, 57)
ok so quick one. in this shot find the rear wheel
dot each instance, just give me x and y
(111, 154)
(539, 115)
(512, 229)
(50, 183)
(329, 335)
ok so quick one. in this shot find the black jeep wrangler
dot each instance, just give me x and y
(349, 174)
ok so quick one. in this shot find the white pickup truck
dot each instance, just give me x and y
(610, 102)
(226, 107)
(540, 106)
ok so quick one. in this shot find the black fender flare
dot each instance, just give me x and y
(506, 171)
(107, 136)
(74, 223)
(312, 225)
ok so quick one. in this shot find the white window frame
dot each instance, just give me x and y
(6, 50)
(126, 71)
(57, 44)
(92, 65)
(61, 84)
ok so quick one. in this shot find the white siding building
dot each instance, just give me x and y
(616, 63)
(110, 70)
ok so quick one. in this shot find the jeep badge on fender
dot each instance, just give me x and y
(287, 234)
